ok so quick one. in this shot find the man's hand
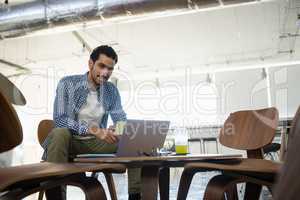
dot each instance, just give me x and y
(112, 128)
(104, 134)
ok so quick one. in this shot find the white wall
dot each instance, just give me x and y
(285, 93)
(240, 90)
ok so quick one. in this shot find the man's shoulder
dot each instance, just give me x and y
(72, 79)
(111, 87)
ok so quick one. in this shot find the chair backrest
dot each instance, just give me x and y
(249, 129)
(288, 183)
(44, 128)
(11, 134)
(11, 92)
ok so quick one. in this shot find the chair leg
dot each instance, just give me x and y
(232, 193)
(57, 193)
(111, 185)
(95, 175)
(252, 191)
(270, 189)
(41, 195)
(91, 187)
(220, 185)
(184, 185)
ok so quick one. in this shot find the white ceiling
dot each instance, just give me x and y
(207, 40)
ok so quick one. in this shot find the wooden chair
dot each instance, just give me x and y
(45, 127)
(288, 183)
(11, 92)
(21, 181)
(249, 130)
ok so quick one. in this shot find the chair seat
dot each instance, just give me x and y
(45, 170)
(239, 165)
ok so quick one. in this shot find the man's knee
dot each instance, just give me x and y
(60, 135)
(59, 142)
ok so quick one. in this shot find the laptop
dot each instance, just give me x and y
(137, 137)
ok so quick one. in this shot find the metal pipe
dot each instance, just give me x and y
(22, 19)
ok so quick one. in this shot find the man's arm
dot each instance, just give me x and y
(117, 113)
(63, 117)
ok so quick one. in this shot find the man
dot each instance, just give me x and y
(81, 108)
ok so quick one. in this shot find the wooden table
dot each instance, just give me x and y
(156, 169)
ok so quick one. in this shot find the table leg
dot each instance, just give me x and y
(150, 176)
(164, 183)
(111, 185)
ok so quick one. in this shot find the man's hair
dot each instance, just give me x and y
(106, 50)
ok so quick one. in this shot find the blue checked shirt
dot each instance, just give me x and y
(71, 95)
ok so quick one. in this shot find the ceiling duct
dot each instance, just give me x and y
(22, 19)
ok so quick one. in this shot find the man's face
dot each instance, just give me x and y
(102, 69)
